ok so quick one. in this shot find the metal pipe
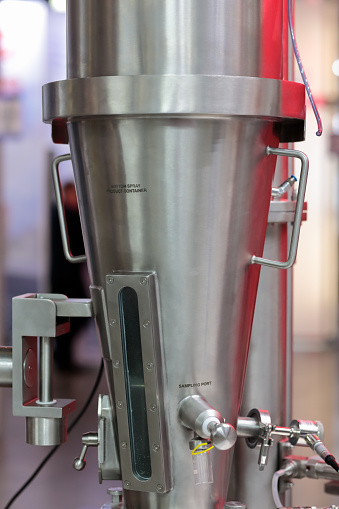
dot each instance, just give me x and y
(6, 366)
(46, 371)
(248, 427)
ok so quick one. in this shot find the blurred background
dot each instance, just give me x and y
(32, 52)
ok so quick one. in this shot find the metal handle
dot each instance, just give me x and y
(61, 211)
(298, 209)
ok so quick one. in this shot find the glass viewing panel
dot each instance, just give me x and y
(135, 383)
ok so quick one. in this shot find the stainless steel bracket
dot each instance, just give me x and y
(108, 456)
(41, 317)
(134, 322)
(283, 211)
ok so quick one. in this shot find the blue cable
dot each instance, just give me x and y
(302, 71)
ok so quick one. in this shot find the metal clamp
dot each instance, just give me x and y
(298, 209)
(61, 211)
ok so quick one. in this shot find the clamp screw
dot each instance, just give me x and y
(124, 445)
(156, 447)
(116, 364)
(113, 322)
(150, 365)
(110, 280)
(153, 407)
(160, 488)
(127, 484)
(120, 404)
(146, 324)
(143, 281)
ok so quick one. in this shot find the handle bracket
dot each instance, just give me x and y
(61, 211)
(298, 209)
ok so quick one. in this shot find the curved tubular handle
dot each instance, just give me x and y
(61, 211)
(298, 209)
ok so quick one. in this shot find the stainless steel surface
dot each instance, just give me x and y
(34, 317)
(234, 505)
(40, 318)
(196, 414)
(134, 37)
(46, 352)
(6, 366)
(266, 362)
(191, 95)
(283, 211)
(108, 453)
(61, 211)
(174, 179)
(298, 210)
(46, 430)
(169, 227)
(303, 428)
(247, 427)
(223, 436)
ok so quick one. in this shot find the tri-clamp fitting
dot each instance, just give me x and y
(258, 430)
(195, 413)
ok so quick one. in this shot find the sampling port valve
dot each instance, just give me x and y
(195, 413)
(210, 430)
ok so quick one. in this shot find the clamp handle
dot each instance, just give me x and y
(88, 440)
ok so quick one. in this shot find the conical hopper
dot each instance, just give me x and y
(174, 185)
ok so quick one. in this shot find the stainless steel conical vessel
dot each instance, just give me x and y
(170, 106)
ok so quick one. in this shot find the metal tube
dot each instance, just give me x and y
(6, 366)
(46, 371)
(248, 427)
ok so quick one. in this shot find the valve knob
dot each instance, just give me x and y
(223, 435)
(78, 463)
